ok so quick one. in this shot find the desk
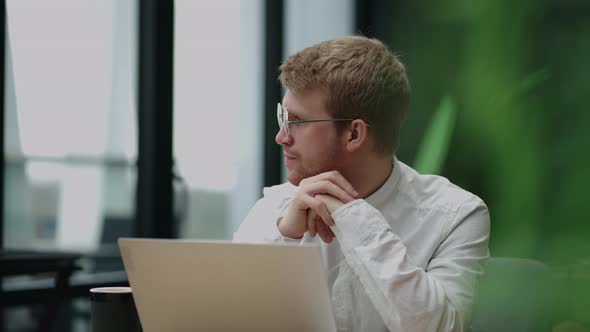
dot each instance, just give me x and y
(20, 262)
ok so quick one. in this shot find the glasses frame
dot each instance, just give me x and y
(283, 116)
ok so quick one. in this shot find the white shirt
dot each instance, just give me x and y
(406, 258)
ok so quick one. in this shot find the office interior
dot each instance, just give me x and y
(156, 118)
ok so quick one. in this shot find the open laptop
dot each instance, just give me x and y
(186, 285)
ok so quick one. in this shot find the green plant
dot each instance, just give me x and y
(434, 147)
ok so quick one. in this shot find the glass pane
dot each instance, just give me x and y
(70, 123)
(217, 118)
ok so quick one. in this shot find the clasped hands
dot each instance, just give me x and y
(316, 198)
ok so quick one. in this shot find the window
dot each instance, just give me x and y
(217, 112)
(70, 123)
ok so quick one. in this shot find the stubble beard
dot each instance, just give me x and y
(330, 163)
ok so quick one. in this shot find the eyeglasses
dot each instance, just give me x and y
(283, 119)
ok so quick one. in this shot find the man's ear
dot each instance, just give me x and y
(356, 135)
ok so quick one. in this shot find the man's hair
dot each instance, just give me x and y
(361, 78)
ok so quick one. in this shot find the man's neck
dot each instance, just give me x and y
(368, 177)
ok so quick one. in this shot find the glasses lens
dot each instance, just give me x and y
(280, 115)
(282, 118)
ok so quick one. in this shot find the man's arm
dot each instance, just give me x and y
(266, 223)
(259, 226)
(408, 297)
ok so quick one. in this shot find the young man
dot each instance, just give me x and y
(402, 250)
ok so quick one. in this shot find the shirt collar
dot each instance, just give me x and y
(386, 191)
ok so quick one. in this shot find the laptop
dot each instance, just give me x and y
(187, 285)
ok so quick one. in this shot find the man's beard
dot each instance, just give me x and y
(300, 173)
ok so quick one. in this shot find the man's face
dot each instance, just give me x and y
(310, 148)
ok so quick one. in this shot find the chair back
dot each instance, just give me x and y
(514, 295)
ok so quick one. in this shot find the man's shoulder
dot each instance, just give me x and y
(279, 191)
(434, 191)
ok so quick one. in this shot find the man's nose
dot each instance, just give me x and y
(282, 138)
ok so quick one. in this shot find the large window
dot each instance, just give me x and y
(70, 141)
(217, 113)
(70, 123)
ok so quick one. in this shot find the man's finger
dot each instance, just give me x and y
(328, 229)
(320, 209)
(327, 187)
(332, 233)
(336, 178)
(323, 231)
(311, 227)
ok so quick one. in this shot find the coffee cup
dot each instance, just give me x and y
(113, 310)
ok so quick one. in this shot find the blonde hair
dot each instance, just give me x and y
(361, 78)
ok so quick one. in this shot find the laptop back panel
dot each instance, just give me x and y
(181, 285)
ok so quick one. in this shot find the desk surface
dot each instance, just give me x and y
(16, 262)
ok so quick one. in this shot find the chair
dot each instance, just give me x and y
(514, 295)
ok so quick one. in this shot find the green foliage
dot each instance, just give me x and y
(519, 72)
(434, 148)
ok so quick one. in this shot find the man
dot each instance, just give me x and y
(402, 250)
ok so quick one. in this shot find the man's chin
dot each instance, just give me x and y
(294, 179)
(295, 176)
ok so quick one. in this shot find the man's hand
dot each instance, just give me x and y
(311, 201)
(332, 203)
(316, 225)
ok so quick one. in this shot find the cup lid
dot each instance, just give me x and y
(111, 294)
(111, 290)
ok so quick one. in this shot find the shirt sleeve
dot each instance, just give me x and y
(408, 297)
(260, 225)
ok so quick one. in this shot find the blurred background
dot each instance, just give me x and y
(103, 97)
